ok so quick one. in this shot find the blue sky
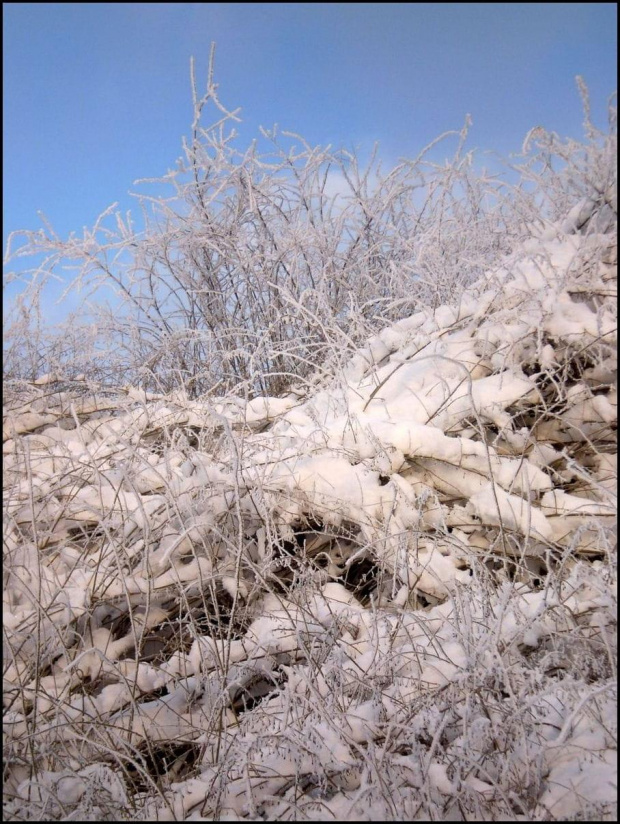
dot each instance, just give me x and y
(97, 95)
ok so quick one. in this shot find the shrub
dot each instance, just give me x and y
(325, 529)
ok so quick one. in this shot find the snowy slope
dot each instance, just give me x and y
(392, 599)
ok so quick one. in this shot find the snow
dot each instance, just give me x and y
(375, 601)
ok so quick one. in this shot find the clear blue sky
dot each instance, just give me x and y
(97, 95)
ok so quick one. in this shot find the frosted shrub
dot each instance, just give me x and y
(255, 266)
(325, 527)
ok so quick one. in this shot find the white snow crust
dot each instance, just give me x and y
(391, 599)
